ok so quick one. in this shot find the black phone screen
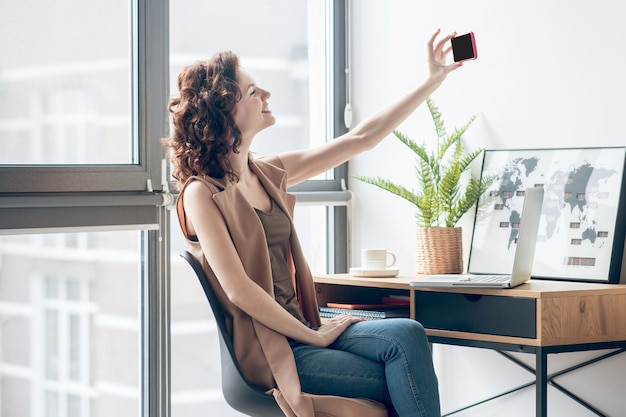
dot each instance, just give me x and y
(463, 47)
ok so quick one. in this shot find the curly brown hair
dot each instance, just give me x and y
(203, 127)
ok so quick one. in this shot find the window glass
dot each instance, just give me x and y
(65, 90)
(69, 325)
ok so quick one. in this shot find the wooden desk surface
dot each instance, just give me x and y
(566, 312)
(534, 288)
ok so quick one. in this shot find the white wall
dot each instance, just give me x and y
(549, 74)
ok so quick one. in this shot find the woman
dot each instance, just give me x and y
(237, 218)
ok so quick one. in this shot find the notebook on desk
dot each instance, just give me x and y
(522, 261)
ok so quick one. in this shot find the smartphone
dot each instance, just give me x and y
(464, 47)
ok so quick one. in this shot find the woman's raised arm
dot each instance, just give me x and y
(304, 164)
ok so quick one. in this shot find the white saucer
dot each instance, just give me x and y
(374, 273)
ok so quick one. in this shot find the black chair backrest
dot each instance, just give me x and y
(238, 392)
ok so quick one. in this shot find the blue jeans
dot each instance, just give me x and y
(385, 360)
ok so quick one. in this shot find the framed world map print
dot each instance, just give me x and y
(583, 219)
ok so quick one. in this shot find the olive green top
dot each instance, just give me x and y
(277, 232)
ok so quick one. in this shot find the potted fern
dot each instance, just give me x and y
(444, 195)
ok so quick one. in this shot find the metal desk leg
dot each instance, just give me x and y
(541, 387)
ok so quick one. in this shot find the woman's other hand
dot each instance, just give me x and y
(333, 328)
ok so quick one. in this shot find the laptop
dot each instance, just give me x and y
(522, 261)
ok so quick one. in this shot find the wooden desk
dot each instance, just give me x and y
(539, 317)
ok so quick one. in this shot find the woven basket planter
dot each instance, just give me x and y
(439, 250)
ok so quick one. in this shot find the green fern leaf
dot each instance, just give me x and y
(443, 195)
(391, 187)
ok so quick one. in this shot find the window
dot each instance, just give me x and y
(70, 324)
(82, 256)
(70, 89)
(85, 248)
(66, 104)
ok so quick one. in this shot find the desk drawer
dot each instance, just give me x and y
(489, 314)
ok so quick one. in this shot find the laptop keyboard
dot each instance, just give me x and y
(488, 278)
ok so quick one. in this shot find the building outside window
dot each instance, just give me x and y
(69, 324)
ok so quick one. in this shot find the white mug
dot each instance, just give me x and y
(376, 259)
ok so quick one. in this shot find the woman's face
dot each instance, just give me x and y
(252, 113)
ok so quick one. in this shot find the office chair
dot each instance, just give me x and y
(238, 392)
